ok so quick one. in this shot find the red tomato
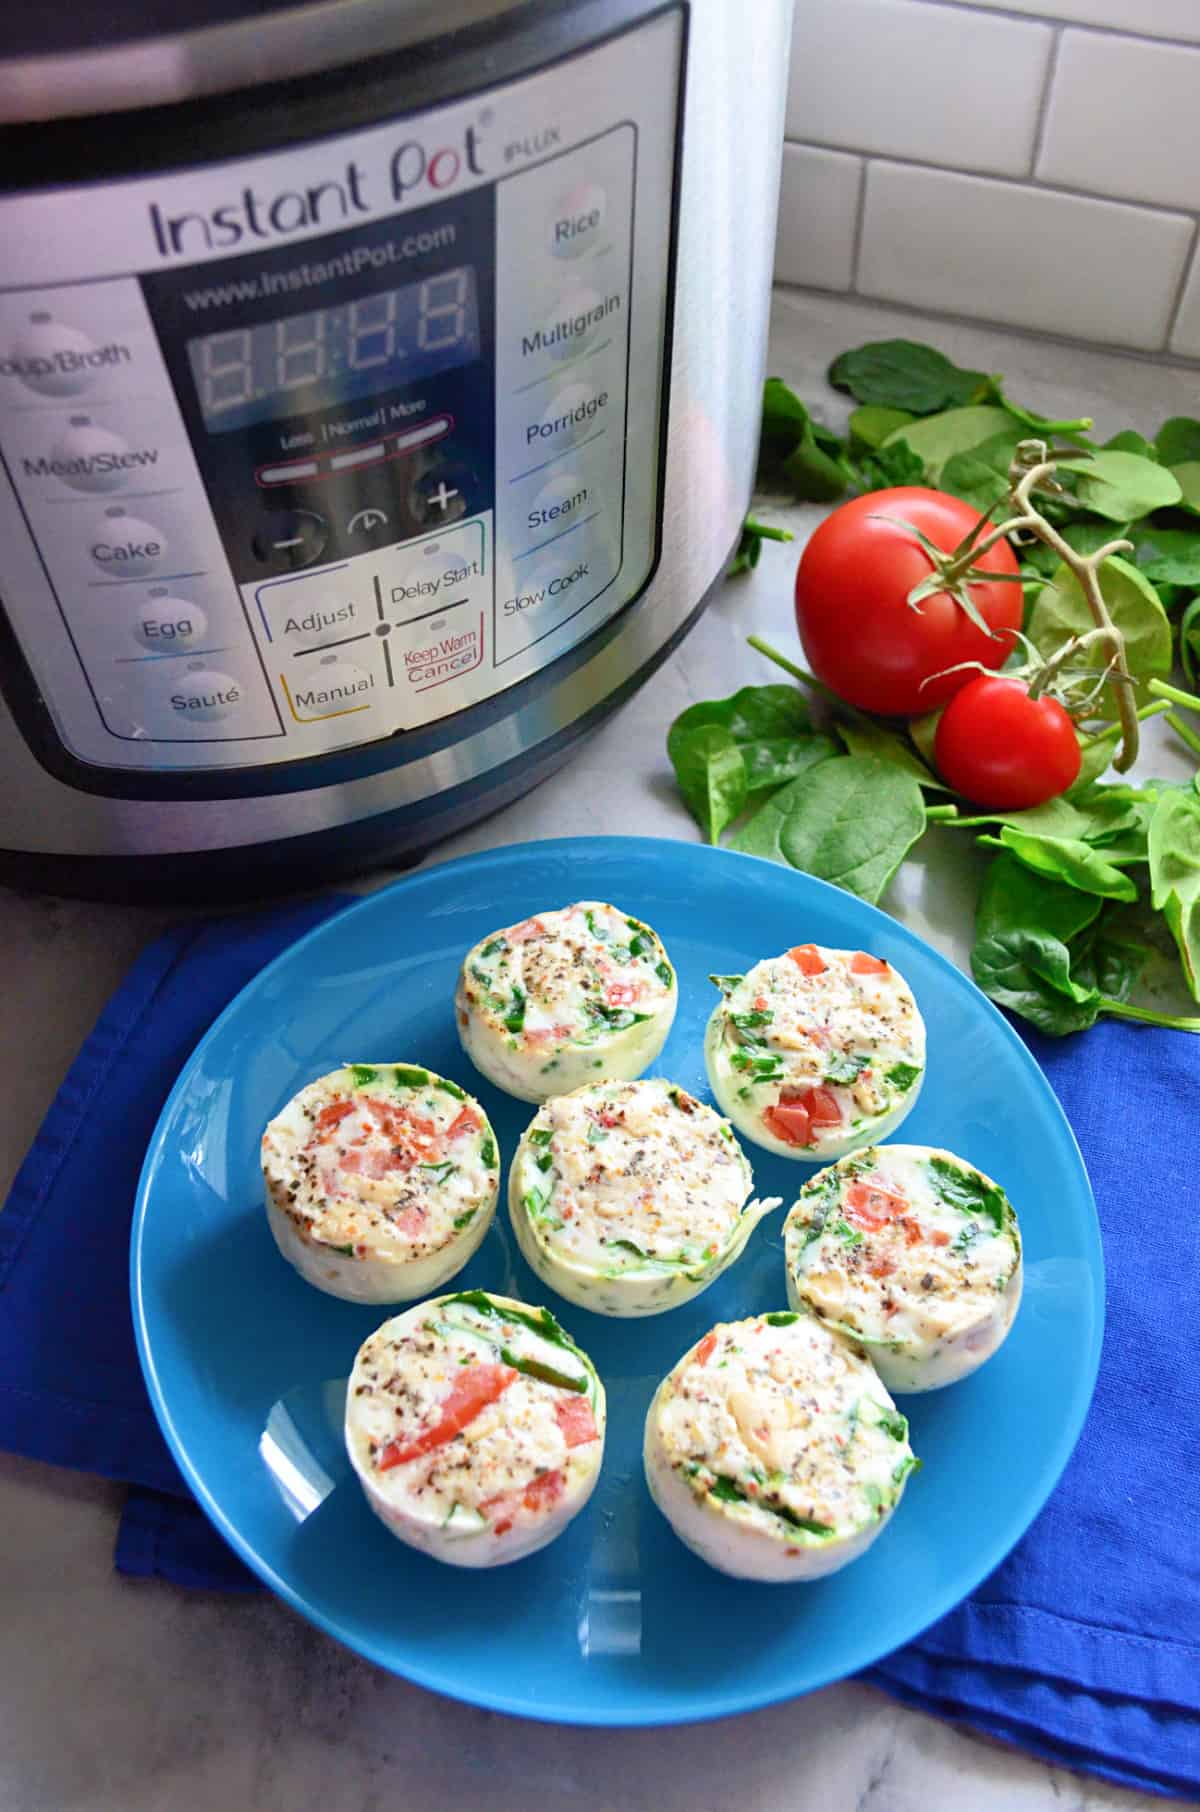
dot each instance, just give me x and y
(807, 960)
(862, 964)
(472, 1390)
(822, 1105)
(1005, 750)
(704, 1351)
(790, 1122)
(871, 1207)
(543, 1491)
(574, 1416)
(861, 635)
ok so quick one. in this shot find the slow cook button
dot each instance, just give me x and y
(574, 413)
(126, 547)
(167, 625)
(577, 220)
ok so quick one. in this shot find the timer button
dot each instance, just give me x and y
(52, 359)
(89, 458)
(577, 220)
(286, 540)
(167, 625)
(126, 547)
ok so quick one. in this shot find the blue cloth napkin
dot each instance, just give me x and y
(1082, 1648)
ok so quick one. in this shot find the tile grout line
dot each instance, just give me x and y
(1152, 355)
(1191, 262)
(860, 211)
(1031, 186)
(1043, 113)
(996, 11)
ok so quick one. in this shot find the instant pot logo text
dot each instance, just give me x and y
(413, 171)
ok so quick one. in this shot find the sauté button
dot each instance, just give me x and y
(126, 547)
(286, 540)
(202, 695)
(169, 625)
(577, 220)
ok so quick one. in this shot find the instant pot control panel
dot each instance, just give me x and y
(308, 449)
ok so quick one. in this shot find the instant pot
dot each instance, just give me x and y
(379, 400)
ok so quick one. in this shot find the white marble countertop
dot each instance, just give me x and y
(132, 1696)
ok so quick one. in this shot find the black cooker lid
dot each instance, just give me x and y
(101, 56)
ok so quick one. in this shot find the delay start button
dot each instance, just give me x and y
(126, 547)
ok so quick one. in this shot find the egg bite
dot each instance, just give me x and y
(381, 1181)
(816, 1052)
(774, 1450)
(912, 1252)
(630, 1198)
(566, 997)
(476, 1427)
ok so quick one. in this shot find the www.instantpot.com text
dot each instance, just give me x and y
(324, 270)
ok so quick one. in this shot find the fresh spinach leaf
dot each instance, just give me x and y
(815, 475)
(1189, 642)
(1022, 970)
(753, 714)
(1175, 873)
(866, 738)
(774, 762)
(938, 438)
(1167, 556)
(979, 475)
(1061, 610)
(895, 464)
(363, 1074)
(1130, 441)
(1187, 477)
(905, 374)
(1067, 859)
(712, 778)
(871, 425)
(785, 421)
(1014, 898)
(902, 1076)
(967, 1191)
(1178, 440)
(1121, 486)
(850, 820)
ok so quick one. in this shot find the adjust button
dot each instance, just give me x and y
(126, 547)
(286, 540)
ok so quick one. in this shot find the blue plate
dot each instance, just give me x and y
(614, 1623)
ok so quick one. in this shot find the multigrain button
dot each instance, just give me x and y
(577, 220)
(574, 323)
(201, 695)
(167, 625)
(126, 547)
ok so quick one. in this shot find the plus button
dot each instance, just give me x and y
(443, 497)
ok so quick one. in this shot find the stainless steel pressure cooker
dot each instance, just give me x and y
(379, 397)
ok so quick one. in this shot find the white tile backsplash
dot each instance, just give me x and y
(1150, 18)
(1022, 256)
(818, 213)
(1124, 119)
(935, 83)
(899, 109)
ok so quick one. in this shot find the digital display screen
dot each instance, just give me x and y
(306, 362)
